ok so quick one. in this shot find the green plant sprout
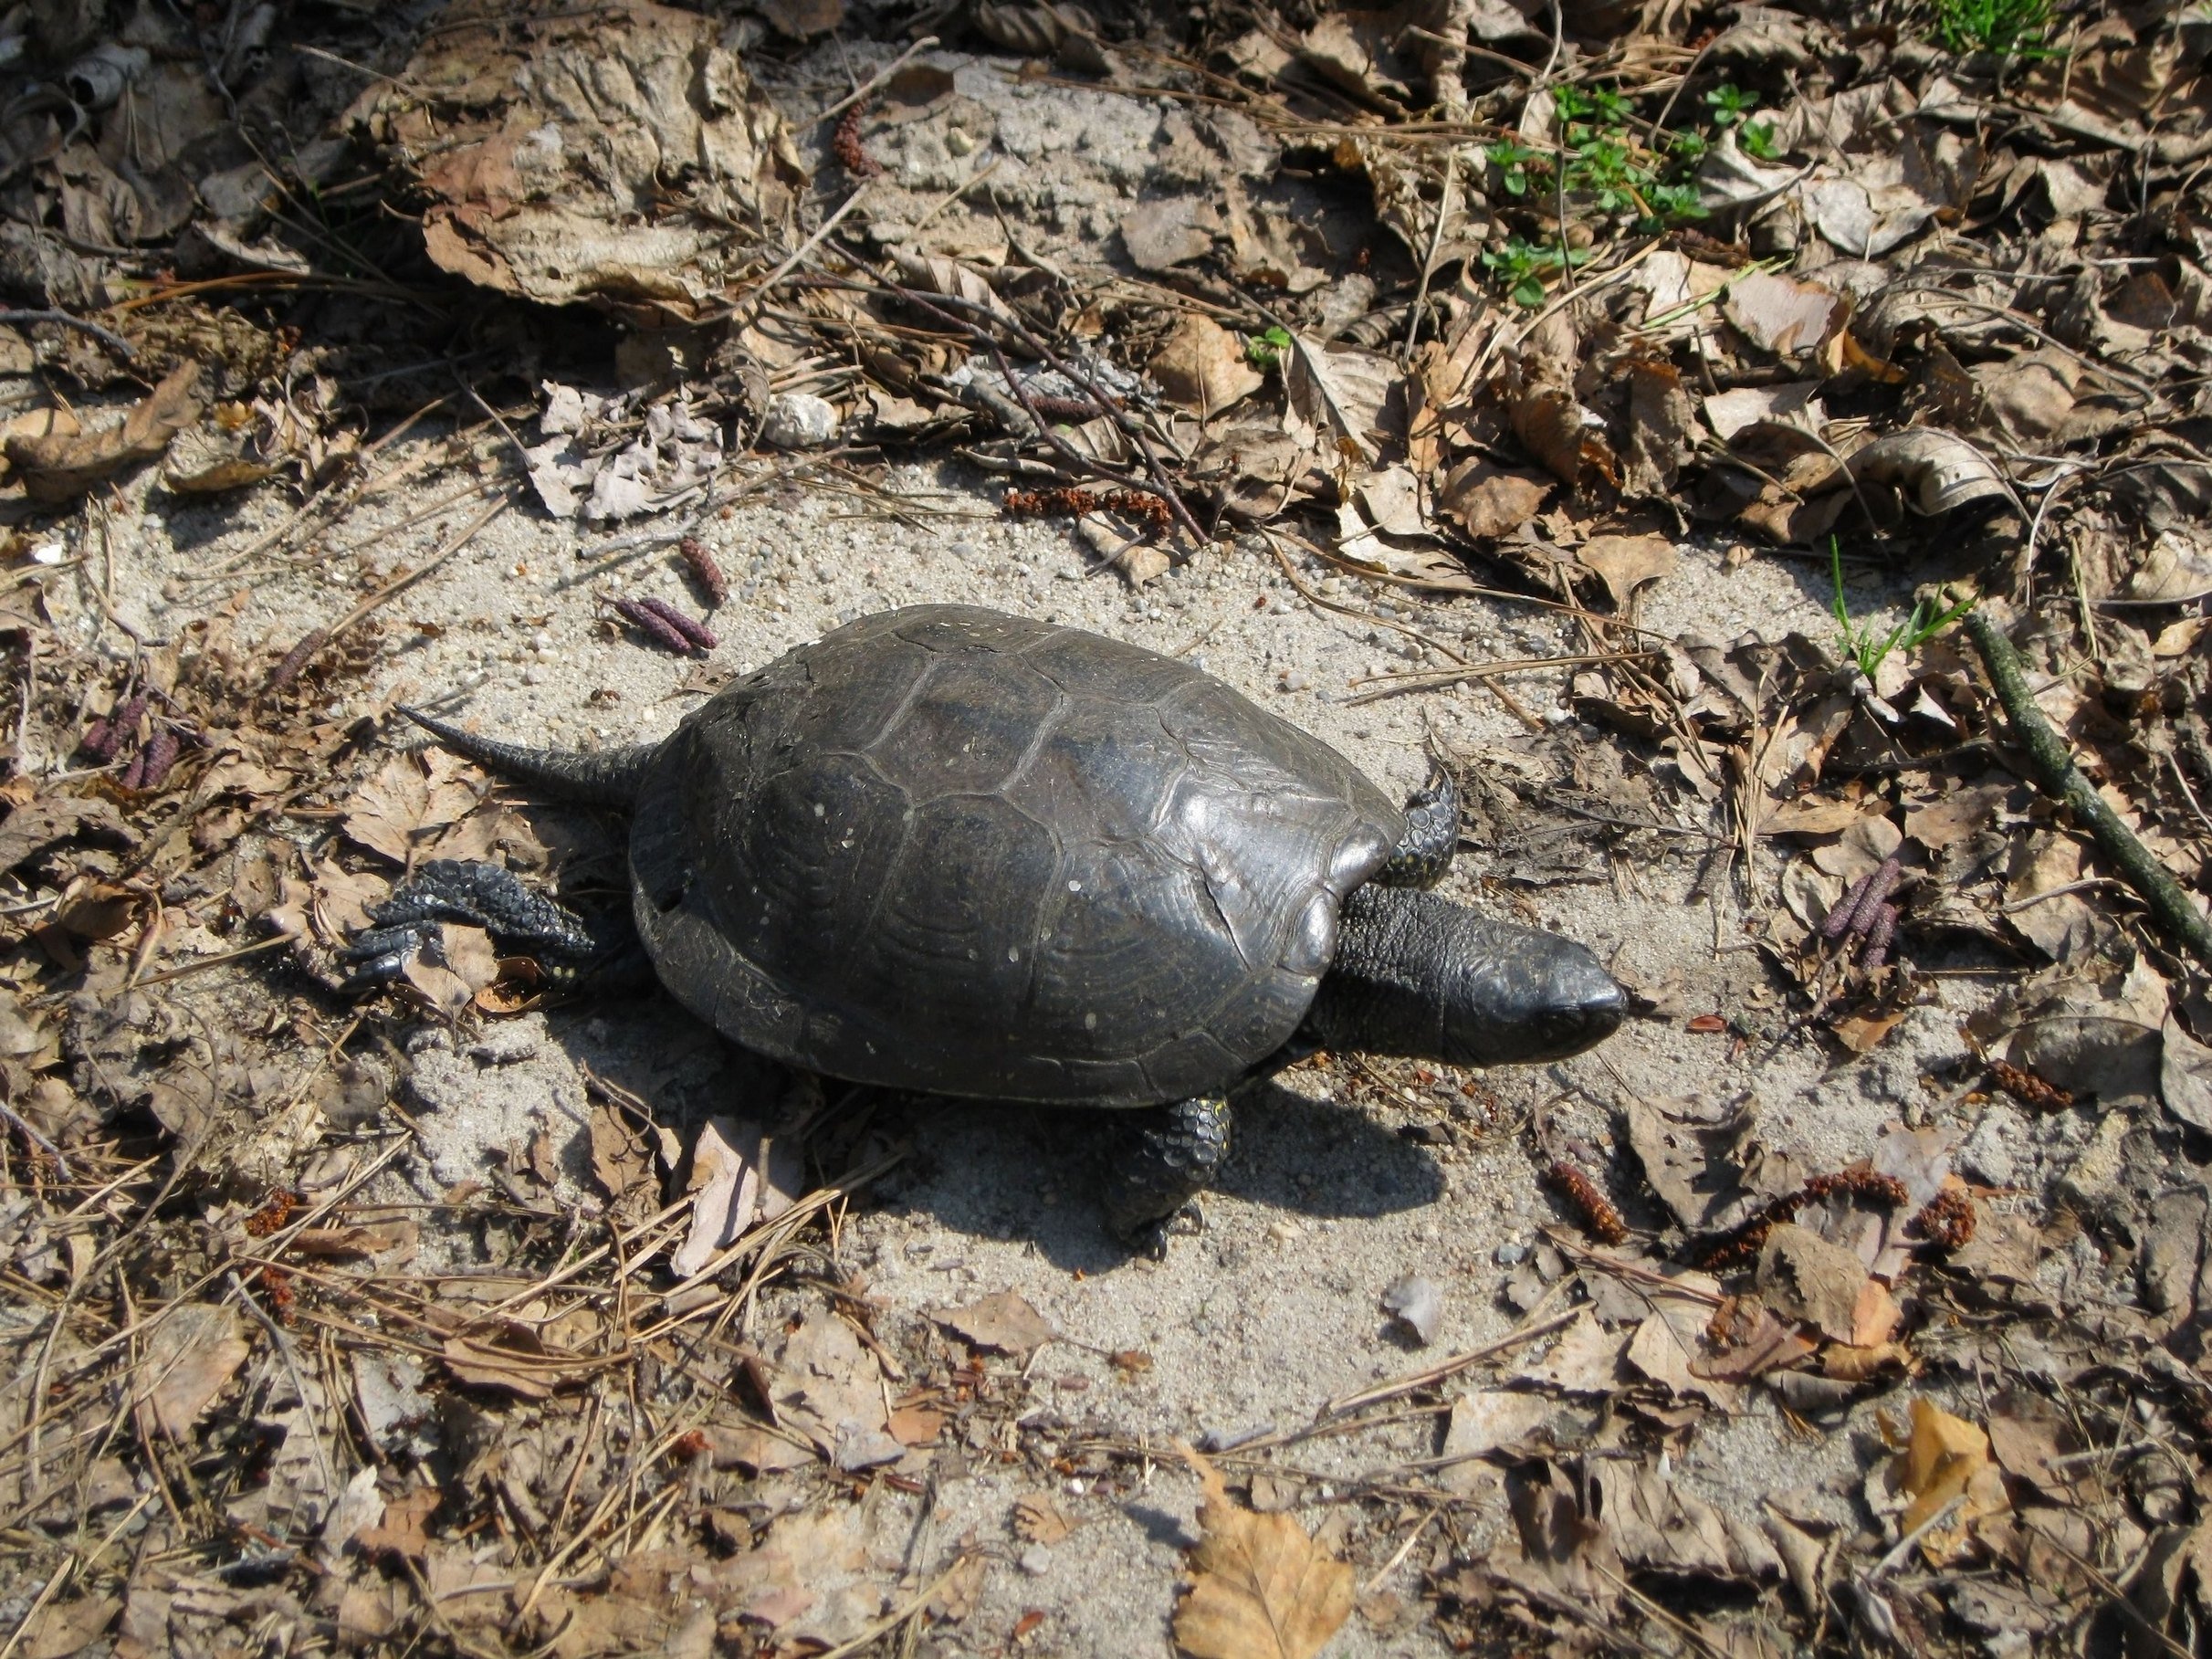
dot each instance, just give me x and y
(1264, 350)
(1520, 267)
(2010, 28)
(1928, 619)
(1601, 167)
(1730, 104)
(1513, 159)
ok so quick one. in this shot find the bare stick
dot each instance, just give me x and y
(2055, 773)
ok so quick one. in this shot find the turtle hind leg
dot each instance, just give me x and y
(1432, 836)
(570, 949)
(1163, 1161)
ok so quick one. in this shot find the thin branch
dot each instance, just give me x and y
(2055, 773)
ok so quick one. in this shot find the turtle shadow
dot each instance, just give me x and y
(1035, 1173)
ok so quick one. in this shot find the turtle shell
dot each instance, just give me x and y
(949, 849)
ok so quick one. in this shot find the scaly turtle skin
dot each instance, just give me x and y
(952, 850)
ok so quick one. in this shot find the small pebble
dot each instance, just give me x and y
(1509, 1256)
(1036, 1560)
(1419, 1304)
(799, 420)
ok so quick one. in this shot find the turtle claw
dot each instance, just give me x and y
(1158, 1172)
(1151, 1240)
(486, 895)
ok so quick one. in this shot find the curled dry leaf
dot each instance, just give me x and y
(1418, 1303)
(739, 1177)
(2177, 568)
(61, 467)
(1937, 471)
(555, 133)
(1260, 1587)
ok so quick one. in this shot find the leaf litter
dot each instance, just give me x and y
(1587, 300)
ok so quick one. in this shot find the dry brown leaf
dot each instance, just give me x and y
(1161, 235)
(1803, 1276)
(1337, 393)
(1202, 367)
(1626, 562)
(465, 965)
(2060, 921)
(60, 467)
(1260, 1587)
(1947, 1458)
(1585, 1361)
(1001, 1322)
(1863, 1033)
(189, 1356)
(726, 1188)
(1661, 427)
(62, 1628)
(933, 275)
(1783, 315)
(1040, 1520)
(554, 130)
(1482, 1423)
(2177, 568)
(919, 1424)
(509, 1356)
(408, 803)
(1489, 500)
(1761, 1344)
(2185, 1077)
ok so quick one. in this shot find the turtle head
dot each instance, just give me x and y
(1415, 974)
(1514, 996)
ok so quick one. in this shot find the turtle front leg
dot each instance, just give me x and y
(1164, 1161)
(488, 896)
(1432, 836)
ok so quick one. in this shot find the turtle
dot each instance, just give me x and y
(951, 850)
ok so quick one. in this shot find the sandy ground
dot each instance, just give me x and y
(1274, 1308)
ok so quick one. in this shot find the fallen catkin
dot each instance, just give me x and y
(653, 626)
(1597, 1210)
(103, 738)
(1839, 919)
(1877, 938)
(704, 570)
(1876, 895)
(697, 634)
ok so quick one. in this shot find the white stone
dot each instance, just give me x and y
(799, 420)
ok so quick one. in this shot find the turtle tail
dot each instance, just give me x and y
(610, 779)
